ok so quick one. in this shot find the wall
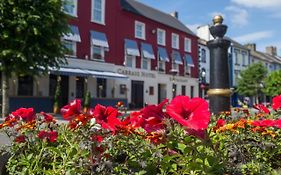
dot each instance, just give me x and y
(119, 24)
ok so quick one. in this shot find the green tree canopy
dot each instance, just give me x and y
(30, 39)
(30, 35)
(273, 84)
(251, 79)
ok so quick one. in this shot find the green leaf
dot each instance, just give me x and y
(181, 147)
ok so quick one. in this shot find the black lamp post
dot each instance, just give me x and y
(174, 73)
(202, 81)
(219, 92)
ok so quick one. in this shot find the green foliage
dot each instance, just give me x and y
(238, 143)
(179, 154)
(251, 78)
(68, 154)
(30, 34)
(273, 84)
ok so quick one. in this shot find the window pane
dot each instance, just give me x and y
(97, 14)
(129, 61)
(139, 29)
(191, 91)
(97, 4)
(25, 86)
(160, 37)
(97, 53)
(69, 6)
(101, 87)
(70, 47)
(144, 63)
(161, 66)
(52, 85)
(183, 90)
(203, 55)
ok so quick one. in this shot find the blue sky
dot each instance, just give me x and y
(249, 21)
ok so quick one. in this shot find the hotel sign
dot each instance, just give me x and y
(179, 80)
(136, 73)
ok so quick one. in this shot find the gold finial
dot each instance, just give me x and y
(218, 19)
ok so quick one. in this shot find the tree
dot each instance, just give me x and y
(250, 82)
(273, 84)
(30, 37)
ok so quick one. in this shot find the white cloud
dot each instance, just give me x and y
(238, 16)
(253, 37)
(193, 27)
(259, 3)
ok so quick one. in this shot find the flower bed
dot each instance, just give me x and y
(183, 139)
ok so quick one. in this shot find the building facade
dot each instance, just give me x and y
(204, 67)
(118, 50)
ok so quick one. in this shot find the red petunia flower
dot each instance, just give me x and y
(97, 138)
(278, 123)
(192, 113)
(42, 134)
(263, 123)
(20, 139)
(151, 117)
(220, 123)
(276, 102)
(53, 135)
(26, 114)
(106, 116)
(262, 108)
(48, 118)
(73, 108)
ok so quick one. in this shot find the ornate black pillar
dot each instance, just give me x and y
(219, 92)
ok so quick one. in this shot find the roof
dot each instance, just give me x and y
(235, 43)
(154, 14)
(265, 57)
(259, 55)
(202, 42)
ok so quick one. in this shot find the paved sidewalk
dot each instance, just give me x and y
(4, 139)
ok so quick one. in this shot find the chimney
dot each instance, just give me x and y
(175, 14)
(251, 46)
(271, 50)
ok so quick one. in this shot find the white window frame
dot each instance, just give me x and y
(74, 10)
(102, 12)
(203, 55)
(148, 63)
(102, 53)
(175, 66)
(163, 63)
(142, 30)
(187, 70)
(187, 45)
(244, 59)
(74, 47)
(175, 44)
(236, 54)
(163, 43)
(133, 61)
